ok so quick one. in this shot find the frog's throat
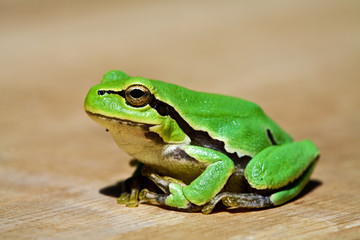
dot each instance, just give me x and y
(97, 116)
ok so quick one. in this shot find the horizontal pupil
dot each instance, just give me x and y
(137, 93)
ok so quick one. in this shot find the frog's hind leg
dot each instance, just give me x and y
(238, 200)
(254, 200)
(282, 170)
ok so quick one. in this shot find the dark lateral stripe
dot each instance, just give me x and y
(120, 93)
(197, 137)
(271, 137)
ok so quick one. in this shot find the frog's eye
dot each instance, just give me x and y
(137, 95)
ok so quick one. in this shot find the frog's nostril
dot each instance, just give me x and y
(101, 92)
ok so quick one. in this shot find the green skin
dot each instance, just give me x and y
(199, 148)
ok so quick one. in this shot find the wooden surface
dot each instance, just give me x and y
(300, 61)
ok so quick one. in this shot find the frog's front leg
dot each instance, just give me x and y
(131, 187)
(201, 190)
(169, 186)
(162, 182)
(285, 167)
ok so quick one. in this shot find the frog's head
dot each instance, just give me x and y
(121, 102)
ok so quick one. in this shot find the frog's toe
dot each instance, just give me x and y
(229, 201)
(211, 205)
(207, 209)
(124, 198)
(132, 203)
(128, 200)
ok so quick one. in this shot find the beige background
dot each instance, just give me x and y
(300, 60)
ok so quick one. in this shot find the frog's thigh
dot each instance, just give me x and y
(288, 165)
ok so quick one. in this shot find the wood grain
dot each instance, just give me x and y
(299, 60)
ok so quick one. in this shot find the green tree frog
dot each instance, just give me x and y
(199, 148)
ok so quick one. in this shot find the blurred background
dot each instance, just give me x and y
(299, 60)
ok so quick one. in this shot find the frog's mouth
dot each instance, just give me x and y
(111, 122)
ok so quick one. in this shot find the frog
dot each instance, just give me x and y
(198, 148)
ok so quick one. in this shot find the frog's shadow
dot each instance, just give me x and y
(115, 191)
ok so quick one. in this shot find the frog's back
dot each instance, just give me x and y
(240, 124)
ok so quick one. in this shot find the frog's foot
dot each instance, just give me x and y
(130, 192)
(238, 200)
